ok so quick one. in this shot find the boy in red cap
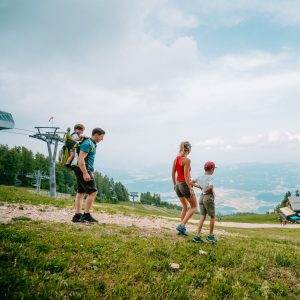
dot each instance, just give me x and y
(207, 201)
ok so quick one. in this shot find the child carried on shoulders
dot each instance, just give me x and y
(71, 141)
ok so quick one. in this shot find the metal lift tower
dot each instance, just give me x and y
(51, 137)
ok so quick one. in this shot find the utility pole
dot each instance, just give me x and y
(113, 195)
(51, 137)
(133, 195)
(38, 177)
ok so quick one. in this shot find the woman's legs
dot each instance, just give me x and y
(184, 207)
(193, 202)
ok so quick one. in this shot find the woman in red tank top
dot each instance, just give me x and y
(183, 186)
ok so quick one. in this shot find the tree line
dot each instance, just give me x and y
(18, 162)
(148, 198)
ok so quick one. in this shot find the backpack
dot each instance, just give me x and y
(64, 153)
(77, 150)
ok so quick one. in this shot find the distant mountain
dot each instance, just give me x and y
(240, 187)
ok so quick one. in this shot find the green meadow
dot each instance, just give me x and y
(43, 260)
(252, 218)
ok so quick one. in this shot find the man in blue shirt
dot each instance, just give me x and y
(85, 178)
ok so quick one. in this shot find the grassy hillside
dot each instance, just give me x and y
(21, 195)
(252, 218)
(51, 260)
(76, 261)
(9, 194)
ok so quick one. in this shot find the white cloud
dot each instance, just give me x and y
(273, 137)
(251, 140)
(212, 142)
(175, 18)
(293, 137)
(251, 61)
(146, 91)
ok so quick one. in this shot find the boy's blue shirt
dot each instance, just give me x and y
(87, 148)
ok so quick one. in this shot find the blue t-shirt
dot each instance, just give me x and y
(87, 147)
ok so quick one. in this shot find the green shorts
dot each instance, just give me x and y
(207, 205)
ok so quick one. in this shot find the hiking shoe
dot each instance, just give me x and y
(87, 217)
(182, 230)
(76, 218)
(212, 239)
(198, 239)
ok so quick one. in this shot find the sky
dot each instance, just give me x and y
(223, 75)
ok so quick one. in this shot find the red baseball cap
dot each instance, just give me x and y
(209, 165)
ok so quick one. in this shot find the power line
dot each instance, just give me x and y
(24, 129)
(14, 132)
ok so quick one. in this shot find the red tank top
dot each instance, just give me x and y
(179, 169)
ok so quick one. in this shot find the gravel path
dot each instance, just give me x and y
(52, 214)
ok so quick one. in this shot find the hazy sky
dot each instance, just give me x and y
(222, 74)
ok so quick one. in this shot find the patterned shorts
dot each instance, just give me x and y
(207, 205)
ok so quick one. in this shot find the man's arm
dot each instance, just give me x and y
(81, 164)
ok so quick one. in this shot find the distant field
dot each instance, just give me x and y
(252, 218)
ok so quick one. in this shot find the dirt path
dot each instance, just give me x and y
(245, 225)
(255, 225)
(52, 214)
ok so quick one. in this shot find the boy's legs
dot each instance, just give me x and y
(209, 202)
(71, 157)
(211, 238)
(211, 225)
(201, 222)
(203, 212)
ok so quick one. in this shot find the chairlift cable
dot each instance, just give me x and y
(23, 129)
(14, 132)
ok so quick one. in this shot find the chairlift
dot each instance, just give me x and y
(18, 182)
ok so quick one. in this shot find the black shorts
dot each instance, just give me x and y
(182, 190)
(84, 187)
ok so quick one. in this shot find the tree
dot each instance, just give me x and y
(27, 165)
(19, 162)
(10, 164)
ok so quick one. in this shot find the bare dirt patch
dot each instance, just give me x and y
(52, 214)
